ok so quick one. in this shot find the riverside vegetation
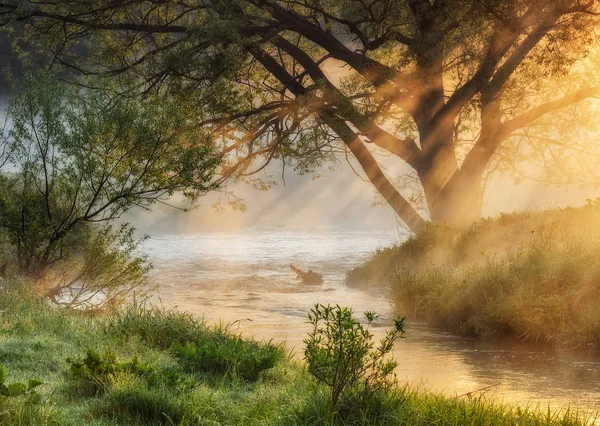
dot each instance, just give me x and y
(141, 366)
(531, 276)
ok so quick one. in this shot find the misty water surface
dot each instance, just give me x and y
(245, 278)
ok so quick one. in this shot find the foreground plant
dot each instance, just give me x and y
(94, 372)
(17, 388)
(341, 354)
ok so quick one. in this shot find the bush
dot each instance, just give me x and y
(229, 355)
(77, 162)
(341, 354)
(94, 372)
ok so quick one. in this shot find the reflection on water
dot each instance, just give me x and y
(246, 278)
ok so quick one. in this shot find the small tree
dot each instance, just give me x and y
(341, 353)
(79, 160)
(103, 272)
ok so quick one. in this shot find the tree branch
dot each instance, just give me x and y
(529, 117)
(403, 148)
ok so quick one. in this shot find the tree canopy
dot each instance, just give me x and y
(453, 89)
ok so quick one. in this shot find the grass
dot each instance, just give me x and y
(164, 387)
(527, 276)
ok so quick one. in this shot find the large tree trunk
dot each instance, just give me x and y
(453, 195)
(435, 176)
(460, 201)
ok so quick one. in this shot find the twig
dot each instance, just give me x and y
(470, 394)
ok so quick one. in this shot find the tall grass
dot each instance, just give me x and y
(545, 292)
(36, 339)
(198, 348)
(527, 276)
(497, 237)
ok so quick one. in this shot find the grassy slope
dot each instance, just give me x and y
(36, 340)
(531, 276)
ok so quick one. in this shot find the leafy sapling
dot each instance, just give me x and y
(341, 354)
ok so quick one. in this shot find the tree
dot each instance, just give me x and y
(453, 89)
(78, 161)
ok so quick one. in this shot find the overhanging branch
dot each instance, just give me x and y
(529, 117)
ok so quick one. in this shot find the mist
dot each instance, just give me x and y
(397, 222)
(337, 199)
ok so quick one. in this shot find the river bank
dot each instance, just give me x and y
(244, 278)
(155, 384)
(530, 277)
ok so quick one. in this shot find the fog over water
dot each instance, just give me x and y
(336, 198)
(233, 267)
(244, 278)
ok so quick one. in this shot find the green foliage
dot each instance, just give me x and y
(229, 355)
(78, 160)
(216, 61)
(157, 327)
(341, 354)
(198, 347)
(36, 337)
(109, 269)
(18, 389)
(20, 403)
(172, 377)
(94, 372)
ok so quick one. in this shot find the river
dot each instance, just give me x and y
(245, 279)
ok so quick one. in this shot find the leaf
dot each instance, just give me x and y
(35, 398)
(16, 389)
(2, 374)
(33, 383)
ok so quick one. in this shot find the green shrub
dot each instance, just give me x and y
(94, 372)
(61, 192)
(229, 355)
(341, 354)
